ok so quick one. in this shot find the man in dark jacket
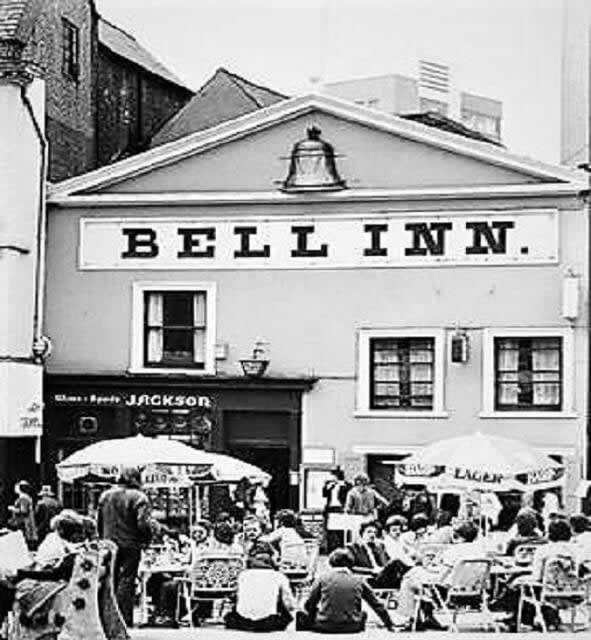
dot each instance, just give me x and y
(47, 507)
(124, 517)
(334, 603)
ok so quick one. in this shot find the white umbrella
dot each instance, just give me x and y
(480, 457)
(107, 457)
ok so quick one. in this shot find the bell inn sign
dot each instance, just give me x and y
(324, 242)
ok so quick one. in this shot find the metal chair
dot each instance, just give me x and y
(560, 588)
(211, 578)
(466, 592)
(524, 554)
(298, 563)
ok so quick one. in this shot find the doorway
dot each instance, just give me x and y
(275, 461)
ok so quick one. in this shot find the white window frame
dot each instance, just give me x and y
(488, 371)
(363, 409)
(137, 326)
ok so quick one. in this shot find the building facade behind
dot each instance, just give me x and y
(432, 90)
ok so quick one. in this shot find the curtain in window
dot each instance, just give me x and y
(199, 328)
(155, 321)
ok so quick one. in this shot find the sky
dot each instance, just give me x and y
(504, 49)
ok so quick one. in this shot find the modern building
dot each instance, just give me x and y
(432, 90)
(164, 269)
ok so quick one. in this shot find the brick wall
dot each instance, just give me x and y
(70, 118)
(132, 104)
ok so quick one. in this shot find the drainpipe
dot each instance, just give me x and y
(40, 240)
(39, 346)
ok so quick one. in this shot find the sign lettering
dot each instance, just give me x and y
(325, 242)
(170, 400)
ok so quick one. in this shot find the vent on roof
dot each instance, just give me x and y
(433, 75)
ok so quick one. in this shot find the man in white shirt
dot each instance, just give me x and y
(264, 601)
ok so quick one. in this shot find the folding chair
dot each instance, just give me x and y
(560, 588)
(212, 578)
(299, 563)
(466, 592)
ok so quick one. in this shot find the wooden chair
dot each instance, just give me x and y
(465, 593)
(560, 588)
(212, 578)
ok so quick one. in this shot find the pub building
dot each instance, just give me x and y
(318, 284)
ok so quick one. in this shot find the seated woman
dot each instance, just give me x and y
(559, 543)
(224, 539)
(264, 601)
(50, 572)
(443, 533)
(416, 535)
(466, 547)
(527, 532)
(292, 549)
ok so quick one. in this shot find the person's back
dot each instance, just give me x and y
(124, 517)
(340, 598)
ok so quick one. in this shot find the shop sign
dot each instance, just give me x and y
(323, 242)
(21, 410)
(422, 470)
(132, 400)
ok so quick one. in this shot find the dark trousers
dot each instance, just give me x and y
(277, 622)
(306, 622)
(390, 576)
(126, 567)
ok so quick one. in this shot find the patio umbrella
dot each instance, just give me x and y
(106, 458)
(483, 458)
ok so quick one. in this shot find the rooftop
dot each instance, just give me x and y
(223, 97)
(125, 45)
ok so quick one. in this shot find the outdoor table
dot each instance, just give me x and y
(504, 570)
(174, 564)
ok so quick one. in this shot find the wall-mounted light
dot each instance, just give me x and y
(460, 347)
(570, 296)
(256, 365)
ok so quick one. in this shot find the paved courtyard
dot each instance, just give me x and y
(372, 634)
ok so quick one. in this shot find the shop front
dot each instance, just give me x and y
(258, 421)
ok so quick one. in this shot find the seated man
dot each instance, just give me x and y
(465, 548)
(252, 539)
(527, 532)
(264, 601)
(334, 603)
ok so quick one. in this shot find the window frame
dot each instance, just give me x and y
(139, 290)
(364, 373)
(70, 55)
(489, 370)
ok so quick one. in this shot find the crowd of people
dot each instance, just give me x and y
(387, 553)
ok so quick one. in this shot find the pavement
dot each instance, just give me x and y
(219, 633)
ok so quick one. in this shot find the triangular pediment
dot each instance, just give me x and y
(375, 152)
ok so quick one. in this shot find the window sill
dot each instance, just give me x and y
(538, 415)
(172, 371)
(401, 414)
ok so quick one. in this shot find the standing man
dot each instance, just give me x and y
(362, 500)
(124, 517)
(334, 493)
(47, 507)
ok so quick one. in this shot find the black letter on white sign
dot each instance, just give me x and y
(191, 241)
(484, 230)
(245, 250)
(422, 232)
(376, 230)
(140, 243)
(302, 251)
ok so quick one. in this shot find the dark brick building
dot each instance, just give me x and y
(105, 94)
